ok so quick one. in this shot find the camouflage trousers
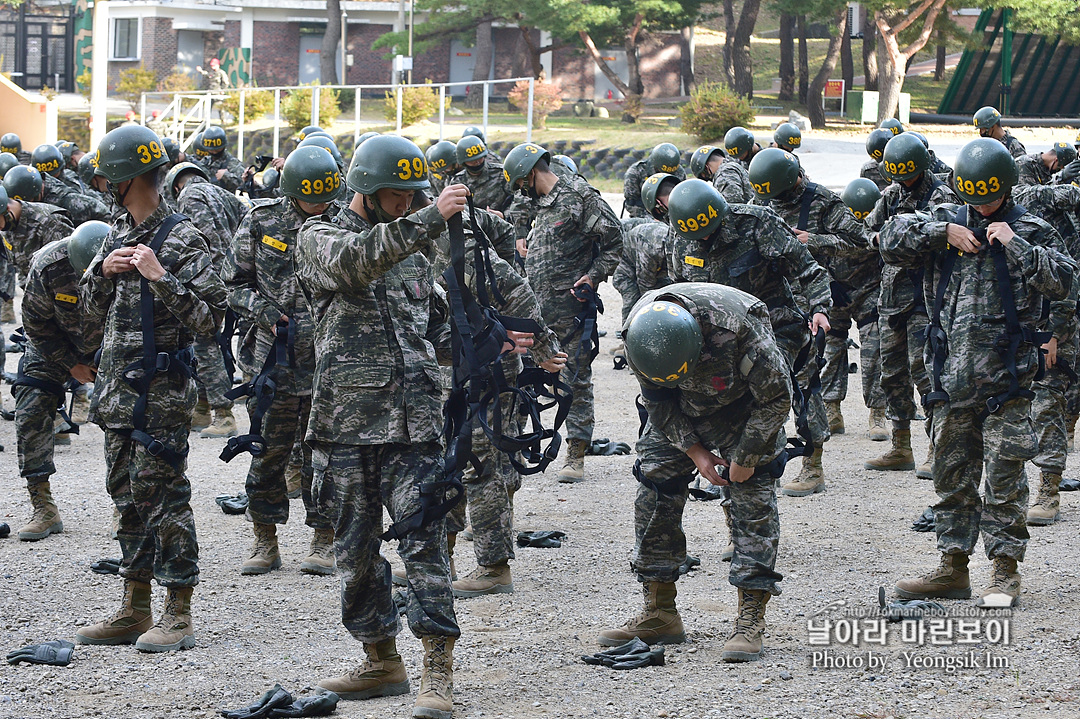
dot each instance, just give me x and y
(902, 364)
(967, 446)
(1048, 411)
(157, 528)
(265, 487)
(791, 339)
(626, 284)
(352, 486)
(35, 416)
(834, 377)
(212, 377)
(579, 423)
(660, 544)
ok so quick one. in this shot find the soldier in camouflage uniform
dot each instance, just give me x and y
(937, 166)
(94, 185)
(841, 244)
(875, 148)
(70, 153)
(442, 165)
(146, 456)
(665, 158)
(644, 264)
(482, 173)
(10, 142)
(224, 169)
(1042, 168)
(732, 180)
(217, 213)
(60, 345)
(988, 122)
(981, 401)
(375, 412)
(717, 389)
(263, 289)
(31, 225)
(575, 241)
(82, 207)
(901, 306)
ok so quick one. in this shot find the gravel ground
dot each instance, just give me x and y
(518, 655)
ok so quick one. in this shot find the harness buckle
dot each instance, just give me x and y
(155, 448)
(164, 361)
(993, 405)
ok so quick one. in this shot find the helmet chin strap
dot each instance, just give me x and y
(375, 210)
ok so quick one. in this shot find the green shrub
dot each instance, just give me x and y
(258, 103)
(712, 110)
(82, 82)
(176, 81)
(133, 83)
(417, 103)
(296, 107)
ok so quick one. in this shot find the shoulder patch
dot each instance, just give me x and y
(695, 261)
(276, 244)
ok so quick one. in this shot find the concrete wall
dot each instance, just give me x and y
(28, 116)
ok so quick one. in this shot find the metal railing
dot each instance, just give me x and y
(183, 125)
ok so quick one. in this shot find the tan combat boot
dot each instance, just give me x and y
(744, 644)
(435, 700)
(877, 431)
(835, 417)
(173, 629)
(128, 624)
(658, 623)
(1004, 588)
(926, 469)
(46, 517)
(223, 426)
(1048, 503)
(898, 458)
(811, 479)
(949, 581)
(264, 553)
(320, 559)
(574, 469)
(495, 579)
(381, 675)
(201, 419)
(1070, 429)
(729, 550)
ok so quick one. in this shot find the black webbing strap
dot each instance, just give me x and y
(806, 205)
(263, 388)
(224, 342)
(585, 326)
(141, 374)
(54, 388)
(800, 397)
(675, 485)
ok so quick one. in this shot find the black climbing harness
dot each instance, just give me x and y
(224, 342)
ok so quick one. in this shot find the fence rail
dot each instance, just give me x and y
(183, 125)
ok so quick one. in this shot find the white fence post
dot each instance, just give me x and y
(315, 105)
(400, 99)
(277, 123)
(356, 118)
(442, 110)
(529, 112)
(487, 92)
(142, 108)
(240, 130)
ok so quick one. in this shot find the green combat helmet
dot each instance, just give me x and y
(67, 149)
(386, 161)
(984, 171)
(651, 188)
(47, 159)
(10, 142)
(567, 162)
(364, 137)
(129, 151)
(213, 139)
(905, 158)
(696, 209)
(1065, 152)
(787, 136)
(172, 149)
(475, 132)
(442, 157)
(876, 142)
(196, 144)
(85, 242)
(311, 174)
(328, 145)
(860, 196)
(986, 117)
(663, 342)
(87, 165)
(7, 161)
(892, 125)
(270, 178)
(470, 148)
(773, 172)
(307, 131)
(922, 138)
(700, 160)
(179, 169)
(23, 183)
(665, 157)
(521, 160)
(319, 133)
(738, 142)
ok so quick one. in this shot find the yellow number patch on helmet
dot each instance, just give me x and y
(473, 150)
(534, 149)
(213, 141)
(876, 154)
(733, 151)
(978, 187)
(763, 188)
(149, 152)
(669, 168)
(438, 164)
(47, 166)
(12, 150)
(506, 175)
(859, 215)
(794, 141)
(94, 160)
(414, 169)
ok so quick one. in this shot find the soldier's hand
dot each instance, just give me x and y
(803, 235)
(248, 173)
(146, 262)
(452, 200)
(221, 173)
(1070, 172)
(1000, 232)
(278, 163)
(522, 248)
(83, 373)
(819, 322)
(1051, 352)
(522, 341)
(706, 463)
(117, 262)
(739, 473)
(583, 280)
(496, 213)
(556, 363)
(962, 238)
(284, 318)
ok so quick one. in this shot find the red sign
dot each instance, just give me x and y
(316, 51)
(464, 54)
(834, 88)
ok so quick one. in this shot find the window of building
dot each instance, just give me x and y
(125, 41)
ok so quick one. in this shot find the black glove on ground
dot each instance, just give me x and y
(925, 522)
(319, 705)
(231, 504)
(903, 609)
(632, 655)
(57, 653)
(605, 447)
(261, 708)
(1069, 485)
(542, 540)
(106, 566)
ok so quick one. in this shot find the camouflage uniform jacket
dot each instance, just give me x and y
(1032, 171)
(262, 284)
(973, 313)
(39, 224)
(740, 363)
(69, 178)
(755, 252)
(1014, 146)
(644, 265)
(380, 325)
(633, 180)
(82, 206)
(52, 315)
(938, 167)
(488, 187)
(575, 233)
(1057, 204)
(234, 174)
(189, 300)
(837, 240)
(216, 80)
(733, 181)
(899, 291)
(216, 212)
(522, 212)
(871, 171)
(500, 235)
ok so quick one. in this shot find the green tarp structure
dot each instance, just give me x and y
(236, 62)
